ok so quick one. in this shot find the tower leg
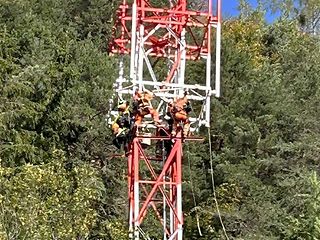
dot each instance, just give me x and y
(179, 193)
(136, 188)
(155, 194)
(130, 195)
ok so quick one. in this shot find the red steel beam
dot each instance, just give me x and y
(157, 180)
(166, 166)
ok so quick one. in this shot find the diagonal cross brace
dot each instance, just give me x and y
(159, 179)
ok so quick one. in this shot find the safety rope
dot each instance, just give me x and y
(200, 114)
(193, 195)
(144, 235)
(213, 185)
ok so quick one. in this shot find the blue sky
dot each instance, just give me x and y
(229, 8)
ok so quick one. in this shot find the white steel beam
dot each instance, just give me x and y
(218, 59)
(133, 43)
(140, 57)
(182, 67)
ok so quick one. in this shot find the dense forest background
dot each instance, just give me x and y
(57, 180)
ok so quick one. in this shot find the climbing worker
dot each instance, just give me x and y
(122, 126)
(142, 107)
(163, 147)
(179, 110)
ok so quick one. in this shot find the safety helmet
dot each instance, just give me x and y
(121, 102)
(122, 105)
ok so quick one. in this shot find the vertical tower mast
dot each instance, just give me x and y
(149, 32)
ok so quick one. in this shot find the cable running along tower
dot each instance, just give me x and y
(171, 33)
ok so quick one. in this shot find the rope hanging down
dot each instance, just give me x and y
(213, 185)
(193, 195)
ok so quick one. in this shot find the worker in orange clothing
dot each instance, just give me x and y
(179, 110)
(142, 106)
(122, 125)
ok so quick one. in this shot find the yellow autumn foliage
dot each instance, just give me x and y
(48, 201)
(246, 36)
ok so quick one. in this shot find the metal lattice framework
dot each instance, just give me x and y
(162, 191)
(148, 31)
(177, 34)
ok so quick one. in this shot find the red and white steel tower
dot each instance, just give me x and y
(149, 30)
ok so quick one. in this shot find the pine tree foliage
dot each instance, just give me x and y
(57, 180)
